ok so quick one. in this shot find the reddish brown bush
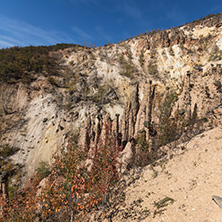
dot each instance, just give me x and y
(70, 191)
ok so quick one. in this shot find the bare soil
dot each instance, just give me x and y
(181, 188)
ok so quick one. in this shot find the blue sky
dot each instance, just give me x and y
(48, 22)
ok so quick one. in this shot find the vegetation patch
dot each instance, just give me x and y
(167, 126)
(127, 70)
(152, 69)
(215, 55)
(218, 85)
(164, 202)
(171, 51)
(7, 151)
(100, 96)
(161, 204)
(144, 152)
(9, 171)
(141, 59)
(21, 63)
(70, 191)
(43, 169)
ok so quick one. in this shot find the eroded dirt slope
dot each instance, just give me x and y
(185, 183)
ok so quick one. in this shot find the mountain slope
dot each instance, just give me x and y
(159, 88)
(107, 80)
(184, 183)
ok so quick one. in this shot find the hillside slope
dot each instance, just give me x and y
(185, 184)
(40, 106)
(159, 89)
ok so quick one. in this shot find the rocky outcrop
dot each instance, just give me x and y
(139, 113)
(122, 85)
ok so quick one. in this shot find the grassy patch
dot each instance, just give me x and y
(164, 202)
(161, 204)
(127, 70)
(6, 150)
(100, 96)
(43, 169)
(21, 63)
(152, 69)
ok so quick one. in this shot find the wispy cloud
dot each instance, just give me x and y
(14, 32)
(176, 16)
(95, 2)
(4, 44)
(129, 8)
(215, 9)
(103, 34)
(11, 40)
(132, 11)
(82, 34)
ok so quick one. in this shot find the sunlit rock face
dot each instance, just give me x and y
(120, 84)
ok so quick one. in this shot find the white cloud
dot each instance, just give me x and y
(176, 16)
(82, 34)
(103, 35)
(4, 44)
(84, 1)
(129, 8)
(132, 11)
(10, 40)
(15, 32)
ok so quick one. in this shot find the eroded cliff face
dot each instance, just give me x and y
(123, 84)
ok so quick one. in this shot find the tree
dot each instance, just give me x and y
(70, 191)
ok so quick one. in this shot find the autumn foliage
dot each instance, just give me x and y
(71, 190)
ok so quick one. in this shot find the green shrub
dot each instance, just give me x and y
(204, 119)
(141, 59)
(6, 150)
(144, 153)
(141, 142)
(19, 63)
(161, 204)
(217, 83)
(69, 105)
(100, 95)
(43, 169)
(164, 202)
(215, 55)
(171, 51)
(52, 81)
(70, 191)
(167, 125)
(128, 70)
(152, 69)
(71, 62)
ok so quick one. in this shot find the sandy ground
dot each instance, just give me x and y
(190, 178)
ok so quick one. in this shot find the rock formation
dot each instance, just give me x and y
(159, 88)
(121, 84)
